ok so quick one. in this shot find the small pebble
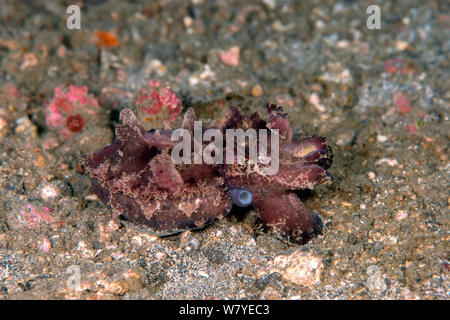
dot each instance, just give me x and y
(194, 243)
(25, 127)
(336, 73)
(112, 226)
(49, 192)
(402, 214)
(91, 197)
(231, 56)
(185, 236)
(203, 274)
(315, 101)
(270, 293)
(389, 162)
(188, 21)
(257, 91)
(271, 4)
(345, 137)
(375, 279)
(381, 138)
(247, 270)
(45, 244)
(137, 240)
(401, 45)
(29, 60)
(3, 128)
(159, 255)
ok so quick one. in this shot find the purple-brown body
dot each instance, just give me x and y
(136, 177)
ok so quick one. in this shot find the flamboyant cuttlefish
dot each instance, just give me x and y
(137, 177)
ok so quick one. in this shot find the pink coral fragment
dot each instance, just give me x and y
(69, 103)
(154, 98)
(33, 217)
(401, 103)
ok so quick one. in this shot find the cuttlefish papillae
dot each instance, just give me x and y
(137, 177)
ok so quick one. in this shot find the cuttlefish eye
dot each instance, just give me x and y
(241, 197)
